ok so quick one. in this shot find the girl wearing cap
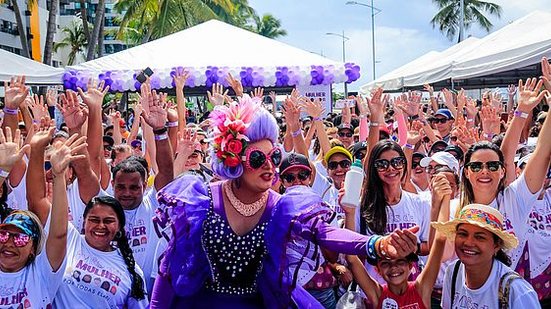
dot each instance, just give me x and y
(230, 244)
(481, 277)
(30, 277)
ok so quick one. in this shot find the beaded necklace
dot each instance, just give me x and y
(247, 210)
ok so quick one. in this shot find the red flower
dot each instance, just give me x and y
(232, 161)
(234, 146)
(219, 154)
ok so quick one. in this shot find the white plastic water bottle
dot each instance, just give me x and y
(353, 182)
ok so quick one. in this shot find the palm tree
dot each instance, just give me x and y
(75, 39)
(448, 15)
(51, 29)
(92, 43)
(84, 18)
(268, 26)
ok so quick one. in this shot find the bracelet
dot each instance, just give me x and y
(371, 252)
(4, 174)
(382, 251)
(317, 119)
(363, 116)
(418, 252)
(172, 124)
(10, 111)
(373, 124)
(409, 146)
(161, 137)
(160, 131)
(520, 114)
(296, 133)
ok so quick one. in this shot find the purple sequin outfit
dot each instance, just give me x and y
(196, 273)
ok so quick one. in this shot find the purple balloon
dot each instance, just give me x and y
(137, 85)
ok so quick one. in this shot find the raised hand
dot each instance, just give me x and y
(399, 243)
(512, 90)
(180, 79)
(497, 100)
(64, 153)
(429, 89)
(16, 92)
(37, 107)
(530, 94)
(471, 108)
(187, 140)
(376, 105)
(51, 97)
(461, 103)
(440, 187)
(313, 108)
(115, 116)
(490, 120)
(44, 131)
(272, 95)
(74, 114)
(172, 112)
(291, 111)
(414, 135)
(258, 92)
(11, 151)
(93, 97)
(346, 115)
(218, 95)
(156, 116)
(236, 85)
(546, 73)
(361, 102)
(448, 98)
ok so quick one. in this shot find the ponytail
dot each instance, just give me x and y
(137, 288)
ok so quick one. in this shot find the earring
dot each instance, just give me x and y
(118, 234)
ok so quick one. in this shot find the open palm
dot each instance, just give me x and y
(11, 151)
(62, 154)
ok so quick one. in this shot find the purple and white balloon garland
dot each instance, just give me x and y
(283, 76)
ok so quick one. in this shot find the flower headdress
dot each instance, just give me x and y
(230, 125)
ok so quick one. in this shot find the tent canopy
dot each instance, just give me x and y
(500, 58)
(35, 72)
(213, 49)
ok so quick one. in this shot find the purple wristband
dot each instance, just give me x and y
(297, 133)
(317, 119)
(10, 111)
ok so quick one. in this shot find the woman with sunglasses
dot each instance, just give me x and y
(31, 262)
(231, 238)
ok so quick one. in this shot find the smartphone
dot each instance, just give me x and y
(342, 103)
(142, 77)
(148, 71)
(504, 117)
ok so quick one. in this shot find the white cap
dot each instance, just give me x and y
(523, 160)
(442, 157)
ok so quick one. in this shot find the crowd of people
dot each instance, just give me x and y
(242, 209)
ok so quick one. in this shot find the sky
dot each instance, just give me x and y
(402, 29)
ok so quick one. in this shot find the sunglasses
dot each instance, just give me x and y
(383, 164)
(415, 164)
(359, 155)
(203, 141)
(107, 147)
(492, 166)
(256, 158)
(19, 239)
(438, 120)
(453, 138)
(302, 176)
(347, 134)
(343, 164)
(432, 169)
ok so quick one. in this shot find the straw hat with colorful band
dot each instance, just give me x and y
(23, 222)
(337, 149)
(482, 216)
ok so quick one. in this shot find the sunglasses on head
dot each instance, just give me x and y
(383, 164)
(347, 134)
(19, 239)
(256, 158)
(439, 120)
(343, 164)
(476, 167)
(302, 176)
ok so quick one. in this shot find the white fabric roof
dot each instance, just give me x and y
(212, 43)
(517, 45)
(35, 72)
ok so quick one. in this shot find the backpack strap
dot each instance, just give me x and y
(505, 287)
(454, 279)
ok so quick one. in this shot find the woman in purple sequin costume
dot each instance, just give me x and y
(239, 244)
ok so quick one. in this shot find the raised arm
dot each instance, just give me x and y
(371, 288)
(11, 152)
(180, 79)
(61, 156)
(15, 94)
(186, 145)
(376, 106)
(529, 97)
(292, 115)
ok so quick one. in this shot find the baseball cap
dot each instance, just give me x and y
(294, 160)
(523, 160)
(357, 147)
(23, 222)
(436, 145)
(444, 158)
(335, 150)
(136, 143)
(109, 140)
(345, 126)
(457, 150)
(444, 112)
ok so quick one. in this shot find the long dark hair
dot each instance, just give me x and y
(373, 204)
(500, 254)
(137, 288)
(5, 210)
(467, 193)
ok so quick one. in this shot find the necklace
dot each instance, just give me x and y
(246, 210)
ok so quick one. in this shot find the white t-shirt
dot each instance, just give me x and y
(17, 199)
(521, 293)
(95, 279)
(320, 169)
(141, 233)
(76, 205)
(328, 193)
(34, 286)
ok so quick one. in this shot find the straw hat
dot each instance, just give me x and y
(482, 216)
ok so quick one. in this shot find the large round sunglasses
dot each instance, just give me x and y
(383, 164)
(255, 158)
(492, 166)
(19, 239)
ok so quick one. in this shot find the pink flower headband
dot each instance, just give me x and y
(230, 125)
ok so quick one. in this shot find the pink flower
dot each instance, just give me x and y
(234, 146)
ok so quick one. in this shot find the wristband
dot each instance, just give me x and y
(520, 114)
(4, 174)
(317, 119)
(371, 251)
(297, 133)
(363, 116)
(373, 124)
(172, 124)
(160, 131)
(409, 146)
(161, 137)
(10, 111)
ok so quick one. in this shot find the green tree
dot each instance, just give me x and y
(51, 29)
(448, 17)
(75, 40)
(268, 26)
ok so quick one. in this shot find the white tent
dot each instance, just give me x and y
(35, 72)
(220, 45)
(513, 47)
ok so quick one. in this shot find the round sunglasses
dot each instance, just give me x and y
(255, 158)
(290, 177)
(347, 134)
(343, 164)
(19, 239)
(383, 164)
(492, 166)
